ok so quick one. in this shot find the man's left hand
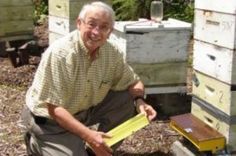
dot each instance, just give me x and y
(144, 108)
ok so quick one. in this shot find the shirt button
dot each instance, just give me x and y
(88, 81)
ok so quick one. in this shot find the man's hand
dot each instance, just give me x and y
(136, 90)
(143, 107)
(96, 142)
(93, 138)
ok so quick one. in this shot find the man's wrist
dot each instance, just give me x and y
(139, 97)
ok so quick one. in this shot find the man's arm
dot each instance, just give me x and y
(137, 91)
(68, 122)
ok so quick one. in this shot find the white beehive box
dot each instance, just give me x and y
(158, 53)
(61, 25)
(215, 61)
(16, 20)
(228, 6)
(220, 95)
(148, 42)
(224, 124)
(215, 28)
(63, 15)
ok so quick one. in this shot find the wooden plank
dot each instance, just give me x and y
(178, 88)
(22, 36)
(16, 13)
(11, 28)
(214, 28)
(220, 61)
(215, 92)
(229, 131)
(162, 73)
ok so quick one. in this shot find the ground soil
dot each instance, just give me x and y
(154, 139)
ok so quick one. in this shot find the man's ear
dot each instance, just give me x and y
(110, 32)
(78, 23)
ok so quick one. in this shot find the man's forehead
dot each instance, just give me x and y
(98, 15)
(98, 20)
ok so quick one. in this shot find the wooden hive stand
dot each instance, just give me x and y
(204, 137)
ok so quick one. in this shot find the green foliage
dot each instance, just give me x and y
(134, 9)
(179, 9)
(131, 9)
(41, 9)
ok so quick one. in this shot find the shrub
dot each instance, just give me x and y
(134, 9)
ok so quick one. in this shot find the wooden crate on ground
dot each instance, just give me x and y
(216, 119)
(204, 137)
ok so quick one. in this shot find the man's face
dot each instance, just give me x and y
(95, 28)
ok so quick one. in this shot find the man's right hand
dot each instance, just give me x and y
(93, 138)
(97, 143)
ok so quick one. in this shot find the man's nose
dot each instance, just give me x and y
(97, 30)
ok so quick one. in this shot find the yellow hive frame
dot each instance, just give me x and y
(127, 128)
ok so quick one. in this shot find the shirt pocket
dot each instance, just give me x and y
(104, 84)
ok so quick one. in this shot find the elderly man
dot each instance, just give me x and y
(82, 81)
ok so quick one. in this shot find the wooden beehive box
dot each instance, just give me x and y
(157, 53)
(148, 42)
(63, 15)
(16, 20)
(218, 120)
(215, 28)
(215, 61)
(221, 95)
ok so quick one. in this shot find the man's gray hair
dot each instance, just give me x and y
(87, 7)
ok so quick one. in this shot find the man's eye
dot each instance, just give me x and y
(104, 27)
(92, 25)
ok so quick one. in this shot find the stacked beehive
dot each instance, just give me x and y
(157, 52)
(62, 16)
(16, 20)
(214, 63)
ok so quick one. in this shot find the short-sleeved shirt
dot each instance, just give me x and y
(67, 77)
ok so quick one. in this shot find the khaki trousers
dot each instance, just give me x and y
(49, 139)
